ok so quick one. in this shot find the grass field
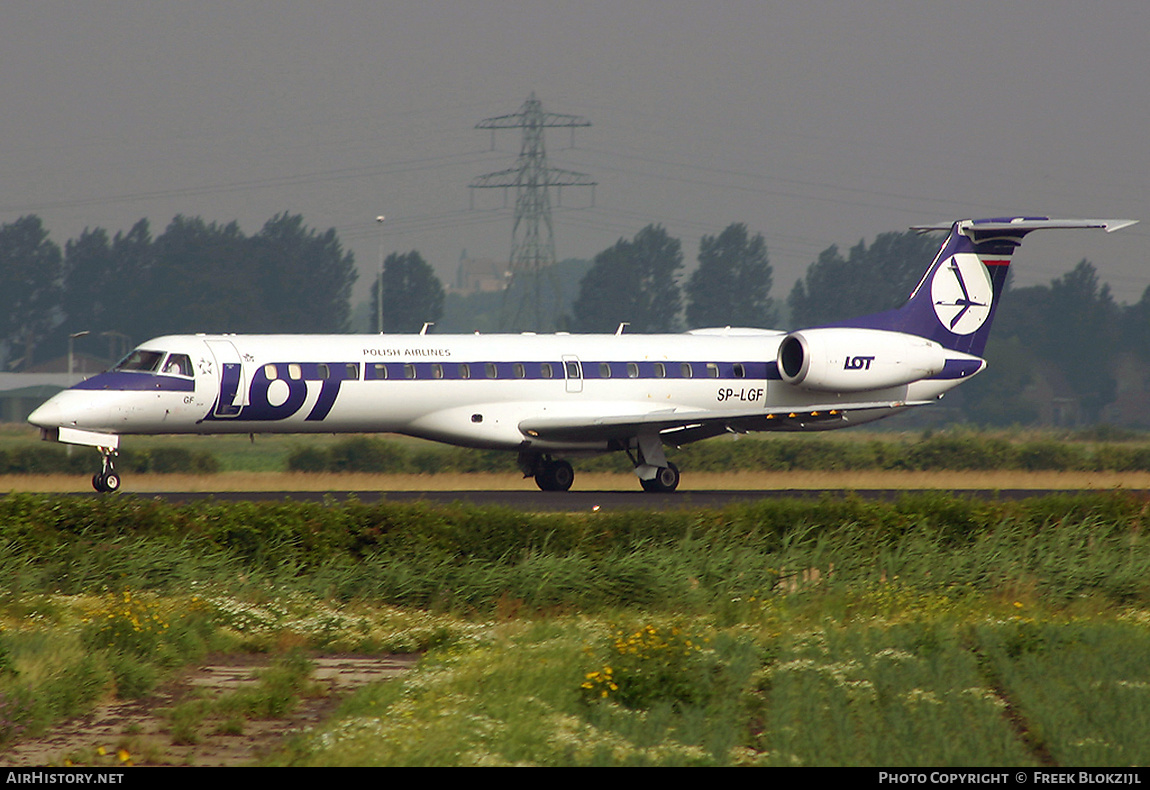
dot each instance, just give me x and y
(931, 631)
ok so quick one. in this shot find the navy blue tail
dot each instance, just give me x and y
(955, 301)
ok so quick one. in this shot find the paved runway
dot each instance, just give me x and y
(574, 501)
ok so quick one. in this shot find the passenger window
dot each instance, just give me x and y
(740, 371)
(712, 370)
(294, 372)
(464, 371)
(685, 370)
(409, 371)
(520, 371)
(437, 371)
(323, 371)
(660, 370)
(270, 372)
(489, 369)
(351, 371)
(379, 370)
(573, 371)
(604, 370)
(632, 370)
(546, 371)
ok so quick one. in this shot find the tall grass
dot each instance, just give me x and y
(931, 630)
(470, 559)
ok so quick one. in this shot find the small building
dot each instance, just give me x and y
(479, 275)
(22, 393)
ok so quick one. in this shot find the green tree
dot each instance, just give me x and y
(1072, 326)
(1135, 326)
(304, 278)
(633, 281)
(105, 281)
(412, 294)
(732, 286)
(993, 397)
(832, 289)
(1081, 334)
(202, 280)
(89, 295)
(31, 274)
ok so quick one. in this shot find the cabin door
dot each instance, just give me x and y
(233, 389)
(573, 372)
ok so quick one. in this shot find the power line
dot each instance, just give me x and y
(532, 235)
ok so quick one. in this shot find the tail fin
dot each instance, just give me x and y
(954, 302)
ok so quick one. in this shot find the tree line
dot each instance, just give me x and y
(196, 276)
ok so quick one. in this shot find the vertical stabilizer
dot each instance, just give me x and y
(955, 301)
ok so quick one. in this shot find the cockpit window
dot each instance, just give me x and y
(178, 365)
(141, 360)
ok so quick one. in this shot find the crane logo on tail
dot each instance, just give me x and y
(962, 293)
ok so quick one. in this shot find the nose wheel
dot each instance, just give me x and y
(107, 479)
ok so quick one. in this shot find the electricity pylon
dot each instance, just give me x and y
(532, 237)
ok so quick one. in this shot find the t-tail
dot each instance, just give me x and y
(955, 301)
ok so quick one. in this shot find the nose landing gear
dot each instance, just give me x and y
(106, 480)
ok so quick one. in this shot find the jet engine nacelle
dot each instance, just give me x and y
(841, 359)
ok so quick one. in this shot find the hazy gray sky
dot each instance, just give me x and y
(813, 122)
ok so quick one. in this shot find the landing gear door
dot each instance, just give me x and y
(573, 372)
(233, 386)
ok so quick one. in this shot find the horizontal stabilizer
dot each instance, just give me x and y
(1028, 224)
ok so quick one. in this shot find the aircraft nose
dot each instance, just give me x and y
(48, 415)
(73, 409)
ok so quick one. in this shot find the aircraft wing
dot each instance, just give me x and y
(679, 426)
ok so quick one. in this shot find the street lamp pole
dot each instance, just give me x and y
(71, 355)
(379, 282)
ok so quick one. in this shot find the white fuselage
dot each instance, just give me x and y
(471, 390)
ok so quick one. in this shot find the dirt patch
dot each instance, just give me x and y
(138, 732)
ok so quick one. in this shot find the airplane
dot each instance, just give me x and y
(549, 397)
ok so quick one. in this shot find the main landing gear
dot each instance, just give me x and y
(106, 480)
(656, 474)
(549, 474)
(665, 481)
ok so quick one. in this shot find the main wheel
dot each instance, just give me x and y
(555, 476)
(665, 480)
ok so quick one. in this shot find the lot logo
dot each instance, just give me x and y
(962, 293)
(857, 363)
